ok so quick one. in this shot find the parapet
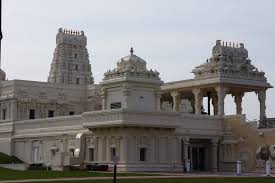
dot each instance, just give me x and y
(69, 36)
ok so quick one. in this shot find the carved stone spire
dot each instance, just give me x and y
(71, 63)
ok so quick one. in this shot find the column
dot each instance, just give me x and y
(186, 144)
(238, 100)
(152, 149)
(123, 149)
(103, 97)
(214, 154)
(157, 102)
(262, 97)
(192, 102)
(198, 100)
(215, 104)
(126, 93)
(176, 100)
(108, 156)
(221, 93)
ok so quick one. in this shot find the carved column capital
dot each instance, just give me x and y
(261, 95)
(175, 94)
(214, 142)
(196, 91)
(238, 100)
(221, 91)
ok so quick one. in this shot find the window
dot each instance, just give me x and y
(77, 80)
(75, 46)
(113, 153)
(116, 105)
(76, 67)
(53, 152)
(4, 111)
(50, 113)
(91, 154)
(142, 154)
(32, 114)
(71, 113)
(75, 55)
(72, 152)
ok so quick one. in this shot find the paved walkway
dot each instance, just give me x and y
(162, 176)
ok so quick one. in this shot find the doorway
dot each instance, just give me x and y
(198, 158)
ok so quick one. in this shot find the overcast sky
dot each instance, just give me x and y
(172, 36)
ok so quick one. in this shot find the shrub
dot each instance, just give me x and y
(38, 166)
(97, 167)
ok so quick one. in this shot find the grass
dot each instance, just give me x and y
(188, 180)
(7, 174)
(6, 159)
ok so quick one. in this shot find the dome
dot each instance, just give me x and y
(131, 66)
(131, 63)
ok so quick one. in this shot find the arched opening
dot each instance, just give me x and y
(229, 105)
(251, 106)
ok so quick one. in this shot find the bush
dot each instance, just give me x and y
(97, 167)
(38, 166)
(6, 159)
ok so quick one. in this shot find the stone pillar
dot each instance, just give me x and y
(214, 154)
(108, 155)
(123, 149)
(221, 93)
(238, 100)
(103, 97)
(157, 102)
(176, 100)
(192, 102)
(198, 100)
(186, 145)
(262, 97)
(125, 93)
(215, 104)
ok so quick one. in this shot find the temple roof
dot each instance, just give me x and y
(229, 60)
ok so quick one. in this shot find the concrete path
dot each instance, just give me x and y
(163, 176)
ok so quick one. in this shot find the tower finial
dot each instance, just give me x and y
(131, 50)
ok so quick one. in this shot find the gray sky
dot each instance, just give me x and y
(172, 36)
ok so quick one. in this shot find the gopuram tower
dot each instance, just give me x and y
(70, 64)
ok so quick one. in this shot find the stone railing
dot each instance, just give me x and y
(200, 124)
(131, 118)
(48, 126)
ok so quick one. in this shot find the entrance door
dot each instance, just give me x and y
(198, 155)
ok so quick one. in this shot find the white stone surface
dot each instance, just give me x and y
(151, 130)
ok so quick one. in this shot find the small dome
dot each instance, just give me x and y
(131, 66)
(131, 63)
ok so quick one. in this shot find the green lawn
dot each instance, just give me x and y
(6, 159)
(7, 174)
(187, 180)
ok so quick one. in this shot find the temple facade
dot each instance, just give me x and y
(133, 116)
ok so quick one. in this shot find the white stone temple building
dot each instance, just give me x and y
(132, 114)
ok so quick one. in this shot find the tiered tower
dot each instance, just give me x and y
(71, 63)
